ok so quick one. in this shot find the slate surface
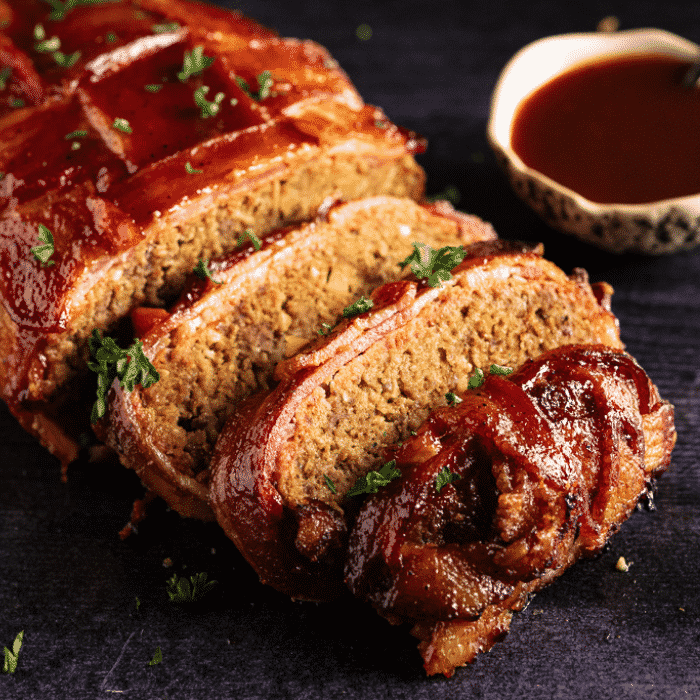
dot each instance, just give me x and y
(70, 583)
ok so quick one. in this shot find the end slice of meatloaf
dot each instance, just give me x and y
(142, 154)
(287, 458)
(223, 340)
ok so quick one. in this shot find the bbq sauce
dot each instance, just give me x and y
(622, 130)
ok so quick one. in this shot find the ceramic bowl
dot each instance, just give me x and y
(654, 228)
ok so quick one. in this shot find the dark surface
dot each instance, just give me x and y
(69, 582)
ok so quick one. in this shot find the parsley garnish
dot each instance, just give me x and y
(66, 60)
(165, 28)
(499, 369)
(11, 656)
(110, 37)
(248, 233)
(359, 307)
(476, 380)
(157, 657)
(5, 74)
(330, 484)
(202, 271)
(62, 8)
(433, 264)
(325, 329)
(44, 251)
(452, 398)
(372, 481)
(194, 62)
(153, 87)
(16, 102)
(209, 109)
(130, 366)
(191, 170)
(78, 134)
(122, 125)
(180, 590)
(445, 477)
(138, 602)
(265, 82)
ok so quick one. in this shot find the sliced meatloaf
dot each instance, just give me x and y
(287, 458)
(501, 493)
(137, 137)
(222, 342)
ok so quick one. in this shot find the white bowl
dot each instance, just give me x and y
(655, 228)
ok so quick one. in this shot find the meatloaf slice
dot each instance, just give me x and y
(159, 132)
(223, 341)
(501, 493)
(287, 458)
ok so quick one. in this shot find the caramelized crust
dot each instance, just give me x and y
(223, 340)
(549, 462)
(133, 209)
(341, 401)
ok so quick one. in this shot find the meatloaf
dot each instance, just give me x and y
(501, 493)
(287, 458)
(223, 340)
(138, 137)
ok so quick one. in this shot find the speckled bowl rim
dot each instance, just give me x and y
(575, 50)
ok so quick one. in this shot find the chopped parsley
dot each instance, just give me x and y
(77, 134)
(138, 602)
(165, 28)
(372, 481)
(209, 109)
(180, 590)
(39, 32)
(194, 62)
(476, 380)
(122, 125)
(110, 37)
(157, 657)
(9, 665)
(452, 398)
(153, 87)
(44, 251)
(16, 102)
(191, 170)
(330, 484)
(202, 271)
(500, 370)
(248, 233)
(265, 83)
(325, 329)
(66, 60)
(111, 362)
(5, 74)
(45, 45)
(445, 477)
(435, 265)
(75, 146)
(359, 307)
(60, 8)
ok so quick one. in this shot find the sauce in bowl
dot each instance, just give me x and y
(620, 130)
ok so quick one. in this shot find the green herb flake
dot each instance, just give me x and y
(359, 307)
(75, 146)
(165, 28)
(181, 590)
(5, 74)
(39, 32)
(138, 602)
(16, 102)
(476, 380)
(111, 362)
(157, 657)
(330, 484)
(9, 665)
(445, 477)
(209, 109)
(265, 83)
(194, 62)
(153, 87)
(450, 193)
(248, 233)
(77, 134)
(435, 265)
(202, 270)
(364, 32)
(110, 37)
(374, 480)
(122, 125)
(452, 398)
(191, 170)
(66, 60)
(48, 45)
(44, 251)
(500, 370)
(62, 7)
(325, 329)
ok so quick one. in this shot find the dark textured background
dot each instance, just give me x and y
(70, 583)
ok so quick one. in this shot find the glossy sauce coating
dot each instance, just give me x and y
(620, 130)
